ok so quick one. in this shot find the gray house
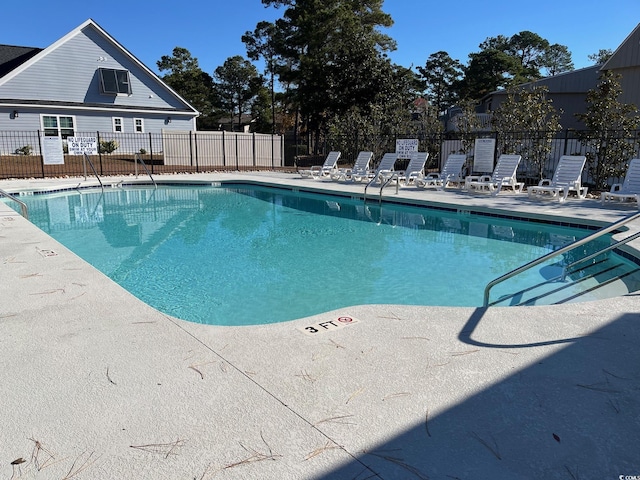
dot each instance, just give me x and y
(86, 82)
(568, 90)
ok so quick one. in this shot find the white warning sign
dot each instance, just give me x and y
(82, 145)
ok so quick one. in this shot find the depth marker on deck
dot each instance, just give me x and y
(328, 325)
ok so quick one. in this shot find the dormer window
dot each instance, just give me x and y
(114, 82)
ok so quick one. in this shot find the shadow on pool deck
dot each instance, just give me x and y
(580, 422)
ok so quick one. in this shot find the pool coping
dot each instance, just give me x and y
(155, 397)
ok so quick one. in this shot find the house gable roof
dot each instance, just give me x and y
(627, 54)
(19, 64)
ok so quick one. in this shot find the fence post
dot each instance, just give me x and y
(190, 150)
(41, 155)
(237, 153)
(99, 152)
(253, 147)
(566, 141)
(224, 151)
(195, 144)
(151, 151)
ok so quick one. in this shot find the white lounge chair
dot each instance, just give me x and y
(451, 173)
(414, 169)
(629, 189)
(566, 178)
(361, 167)
(384, 168)
(504, 175)
(317, 171)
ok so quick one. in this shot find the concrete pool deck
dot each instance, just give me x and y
(98, 385)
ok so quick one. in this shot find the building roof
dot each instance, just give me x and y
(16, 59)
(11, 57)
(574, 81)
(627, 54)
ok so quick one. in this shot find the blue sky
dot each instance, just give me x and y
(211, 29)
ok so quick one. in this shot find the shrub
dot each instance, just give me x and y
(610, 124)
(26, 150)
(143, 151)
(108, 146)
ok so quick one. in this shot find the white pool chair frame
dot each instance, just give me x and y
(629, 189)
(383, 170)
(566, 178)
(329, 166)
(360, 167)
(414, 170)
(503, 176)
(451, 173)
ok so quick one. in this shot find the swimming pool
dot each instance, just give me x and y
(241, 255)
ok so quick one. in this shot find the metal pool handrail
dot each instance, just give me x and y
(85, 160)
(23, 206)
(144, 165)
(560, 251)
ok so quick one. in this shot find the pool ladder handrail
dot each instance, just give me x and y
(138, 158)
(566, 248)
(23, 206)
(394, 176)
(85, 160)
(383, 183)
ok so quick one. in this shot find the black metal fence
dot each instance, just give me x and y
(23, 154)
(540, 150)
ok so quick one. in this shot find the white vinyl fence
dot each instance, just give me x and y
(223, 149)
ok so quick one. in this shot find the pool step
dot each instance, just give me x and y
(601, 279)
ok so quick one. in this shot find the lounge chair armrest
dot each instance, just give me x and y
(485, 178)
(545, 182)
(432, 176)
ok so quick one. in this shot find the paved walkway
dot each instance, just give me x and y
(98, 385)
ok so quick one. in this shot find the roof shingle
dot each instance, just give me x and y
(11, 57)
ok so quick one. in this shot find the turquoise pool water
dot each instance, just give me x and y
(241, 255)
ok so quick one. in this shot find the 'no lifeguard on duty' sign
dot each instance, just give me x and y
(82, 145)
(404, 147)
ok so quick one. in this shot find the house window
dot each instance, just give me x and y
(58, 126)
(138, 125)
(117, 124)
(114, 82)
